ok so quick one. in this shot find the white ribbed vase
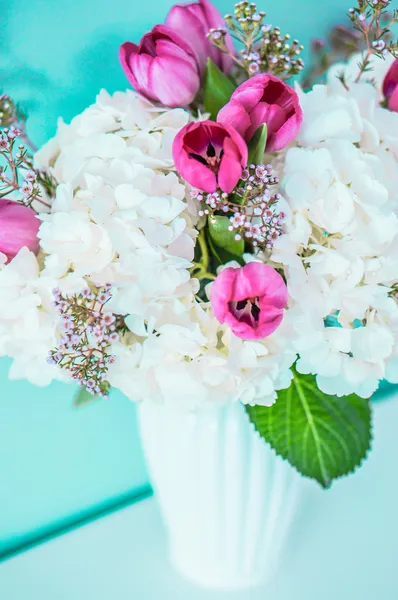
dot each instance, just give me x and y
(226, 499)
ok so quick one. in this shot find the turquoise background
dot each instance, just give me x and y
(58, 463)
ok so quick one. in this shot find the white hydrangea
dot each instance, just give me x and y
(378, 67)
(186, 366)
(27, 329)
(122, 216)
(119, 216)
(341, 246)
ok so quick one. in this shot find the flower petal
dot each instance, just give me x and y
(222, 293)
(390, 82)
(233, 114)
(264, 99)
(126, 52)
(393, 102)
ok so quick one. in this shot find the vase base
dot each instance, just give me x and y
(218, 579)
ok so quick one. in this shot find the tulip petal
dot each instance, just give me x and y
(264, 99)
(230, 169)
(222, 292)
(188, 22)
(270, 325)
(271, 114)
(126, 52)
(250, 93)
(256, 283)
(283, 137)
(190, 153)
(162, 67)
(196, 174)
(198, 136)
(233, 161)
(141, 65)
(393, 102)
(390, 82)
(214, 21)
(240, 144)
(173, 76)
(234, 115)
(18, 228)
(240, 328)
(250, 281)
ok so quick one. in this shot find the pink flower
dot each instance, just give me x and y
(162, 68)
(192, 22)
(250, 300)
(18, 228)
(210, 155)
(264, 99)
(390, 86)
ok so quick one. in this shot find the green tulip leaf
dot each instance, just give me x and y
(257, 145)
(218, 89)
(324, 437)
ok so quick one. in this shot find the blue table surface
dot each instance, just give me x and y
(56, 461)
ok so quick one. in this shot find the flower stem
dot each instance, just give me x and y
(28, 141)
(200, 269)
(207, 276)
(204, 263)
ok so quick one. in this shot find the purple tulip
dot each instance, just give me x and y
(162, 68)
(18, 228)
(390, 86)
(210, 155)
(192, 22)
(264, 99)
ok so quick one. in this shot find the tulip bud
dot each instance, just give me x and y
(192, 22)
(390, 86)
(18, 228)
(162, 68)
(264, 99)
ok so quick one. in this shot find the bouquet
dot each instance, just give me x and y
(217, 235)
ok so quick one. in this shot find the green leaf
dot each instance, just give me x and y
(224, 239)
(83, 397)
(218, 89)
(323, 437)
(257, 146)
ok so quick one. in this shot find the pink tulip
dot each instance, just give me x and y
(162, 68)
(210, 155)
(18, 228)
(264, 99)
(390, 86)
(250, 300)
(192, 22)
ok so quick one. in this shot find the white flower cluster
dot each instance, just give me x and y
(27, 325)
(340, 249)
(122, 216)
(119, 216)
(188, 366)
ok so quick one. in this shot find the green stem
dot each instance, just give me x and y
(6, 193)
(206, 275)
(204, 263)
(200, 269)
